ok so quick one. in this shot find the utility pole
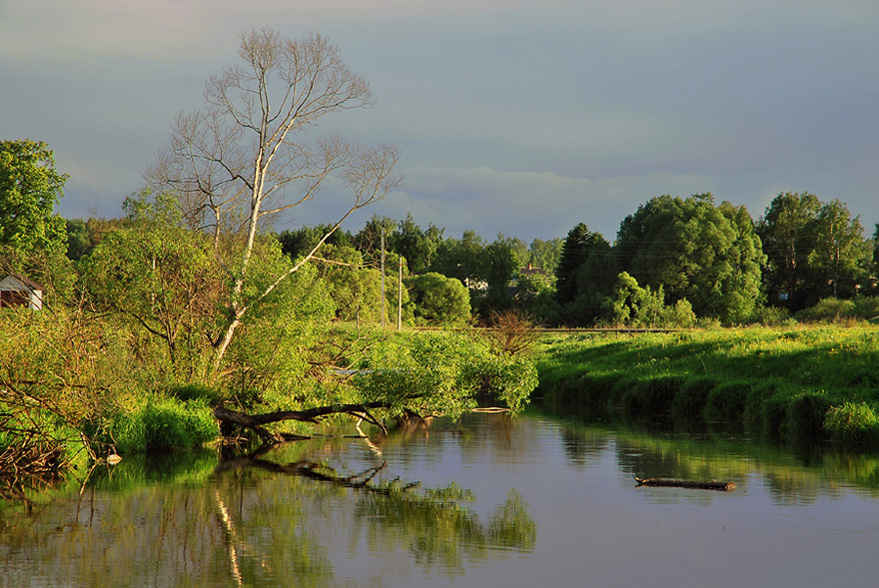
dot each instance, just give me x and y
(400, 295)
(383, 277)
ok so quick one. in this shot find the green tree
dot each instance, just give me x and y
(30, 187)
(787, 234)
(161, 277)
(841, 254)
(502, 260)
(576, 251)
(545, 254)
(634, 306)
(695, 250)
(377, 231)
(296, 242)
(815, 250)
(440, 300)
(462, 259)
(418, 246)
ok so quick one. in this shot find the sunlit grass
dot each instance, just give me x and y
(779, 381)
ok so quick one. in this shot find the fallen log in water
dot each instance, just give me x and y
(712, 485)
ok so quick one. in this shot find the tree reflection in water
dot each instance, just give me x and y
(255, 522)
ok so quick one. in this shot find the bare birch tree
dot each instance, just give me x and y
(243, 158)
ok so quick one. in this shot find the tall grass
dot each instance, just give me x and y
(794, 382)
(161, 425)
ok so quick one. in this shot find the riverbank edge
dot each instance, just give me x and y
(818, 384)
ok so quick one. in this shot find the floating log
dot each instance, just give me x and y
(712, 485)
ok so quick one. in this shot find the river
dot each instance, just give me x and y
(530, 501)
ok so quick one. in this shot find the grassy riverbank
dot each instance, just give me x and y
(803, 383)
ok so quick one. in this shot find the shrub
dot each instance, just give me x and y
(162, 424)
(651, 397)
(187, 392)
(726, 402)
(853, 424)
(829, 310)
(434, 373)
(866, 308)
(440, 300)
(806, 414)
(692, 398)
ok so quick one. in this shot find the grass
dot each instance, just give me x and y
(802, 383)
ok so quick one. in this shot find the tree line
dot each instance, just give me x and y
(674, 261)
(680, 259)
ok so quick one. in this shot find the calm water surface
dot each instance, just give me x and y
(523, 502)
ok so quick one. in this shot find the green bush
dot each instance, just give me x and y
(651, 397)
(726, 402)
(442, 373)
(828, 310)
(690, 401)
(866, 308)
(440, 300)
(805, 416)
(162, 424)
(187, 392)
(853, 424)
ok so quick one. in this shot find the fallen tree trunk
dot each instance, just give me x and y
(712, 485)
(255, 422)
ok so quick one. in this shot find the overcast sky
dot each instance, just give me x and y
(516, 116)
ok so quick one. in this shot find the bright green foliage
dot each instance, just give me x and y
(836, 310)
(440, 301)
(161, 277)
(162, 425)
(418, 246)
(441, 374)
(634, 306)
(778, 382)
(853, 424)
(814, 250)
(841, 254)
(271, 357)
(356, 289)
(707, 254)
(462, 259)
(29, 189)
(423, 374)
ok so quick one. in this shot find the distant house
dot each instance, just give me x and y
(17, 290)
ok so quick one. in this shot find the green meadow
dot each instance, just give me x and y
(818, 383)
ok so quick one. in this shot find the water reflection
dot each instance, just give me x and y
(343, 512)
(255, 520)
(792, 476)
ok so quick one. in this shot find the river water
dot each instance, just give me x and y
(530, 501)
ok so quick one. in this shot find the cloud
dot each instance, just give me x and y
(528, 205)
(513, 115)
